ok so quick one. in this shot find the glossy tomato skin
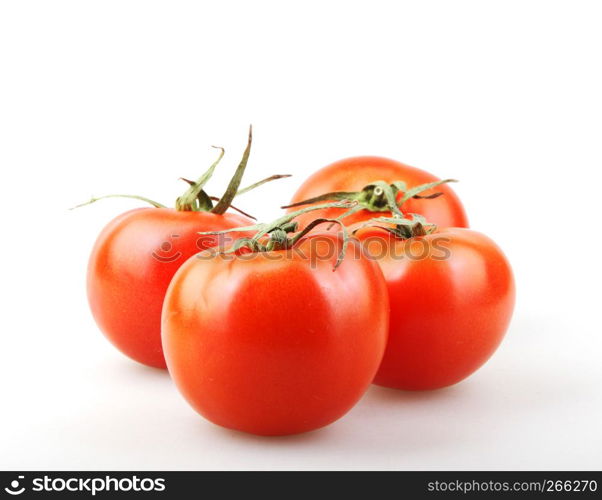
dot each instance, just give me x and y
(452, 296)
(275, 345)
(131, 265)
(352, 174)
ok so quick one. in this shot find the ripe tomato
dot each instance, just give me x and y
(353, 174)
(451, 294)
(138, 253)
(131, 265)
(275, 342)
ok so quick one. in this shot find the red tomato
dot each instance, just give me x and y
(451, 294)
(275, 343)
(352, 174)
(131, 265)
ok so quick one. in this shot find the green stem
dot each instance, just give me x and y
(261, 182)
(215, 198)
(195, 199)
(134, 197)
(232, 188)
(401, 227)
(281, 227)
(317, 222)
(415, 191)
(334, 196)
(377, 196)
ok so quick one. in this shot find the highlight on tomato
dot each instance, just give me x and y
(138, 252)
(378, 184)
(451, 292)
(267, 338)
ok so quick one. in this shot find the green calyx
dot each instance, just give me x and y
(283, 234)
(195, 199)
(401, 227)
(377, 197)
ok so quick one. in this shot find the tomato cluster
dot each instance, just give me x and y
(371, 276)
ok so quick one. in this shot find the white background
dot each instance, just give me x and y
(125, 96)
